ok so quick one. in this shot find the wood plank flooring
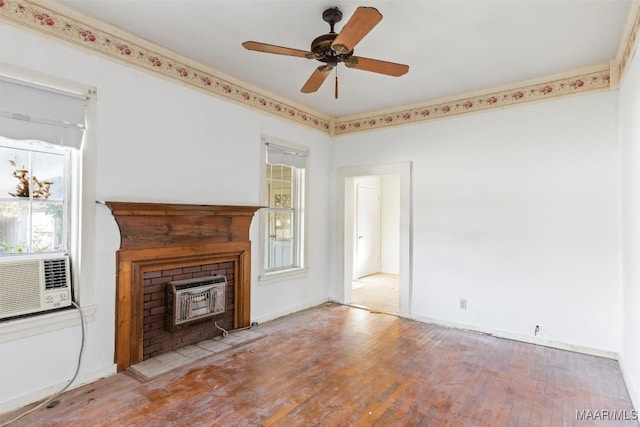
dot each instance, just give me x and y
(336, 365)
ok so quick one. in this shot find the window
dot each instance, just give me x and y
(41, 131)
(283, 220)
(34, 201)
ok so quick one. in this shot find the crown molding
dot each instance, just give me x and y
(63, 23)
(590, 79)
(629, 41)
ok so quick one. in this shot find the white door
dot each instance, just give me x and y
(367, 231)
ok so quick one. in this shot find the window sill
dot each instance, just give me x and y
(279, 276)
(12, 330)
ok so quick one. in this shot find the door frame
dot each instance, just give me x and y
(345, 223)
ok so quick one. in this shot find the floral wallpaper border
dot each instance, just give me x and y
(569, 86)
(116, 46)
(630, 41)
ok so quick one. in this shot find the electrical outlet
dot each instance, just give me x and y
(463, 304)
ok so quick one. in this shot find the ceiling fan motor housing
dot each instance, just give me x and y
(321, 45)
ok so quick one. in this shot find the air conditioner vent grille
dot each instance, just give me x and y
(26, 296)
(55, 273)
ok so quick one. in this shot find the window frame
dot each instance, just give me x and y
(81, 211)
(45, 147)
(300, 268)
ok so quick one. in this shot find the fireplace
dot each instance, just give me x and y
(160, 237)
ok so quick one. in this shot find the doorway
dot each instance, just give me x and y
(372, 274)
(376, 237)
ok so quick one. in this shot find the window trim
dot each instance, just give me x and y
(82, 212)
(267, 277)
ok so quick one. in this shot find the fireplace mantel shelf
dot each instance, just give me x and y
(173, 209)
(159, 224)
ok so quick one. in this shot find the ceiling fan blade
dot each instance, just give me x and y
(376, 66)
(361, 22)
(317, 78)
(279, 50)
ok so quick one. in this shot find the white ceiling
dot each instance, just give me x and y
(451, 46)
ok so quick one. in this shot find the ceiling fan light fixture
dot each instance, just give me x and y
(340, 49)
(350, 62)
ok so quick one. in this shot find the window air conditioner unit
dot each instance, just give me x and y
(34, 285)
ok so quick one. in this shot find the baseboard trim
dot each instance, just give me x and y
(290, 310)
(44, 393)
(520, 337)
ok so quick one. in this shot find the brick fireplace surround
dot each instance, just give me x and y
(175, 240)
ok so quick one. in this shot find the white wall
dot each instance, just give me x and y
(518, 212)
(158, 141)
(630, 157)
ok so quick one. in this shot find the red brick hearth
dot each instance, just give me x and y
(167, 242)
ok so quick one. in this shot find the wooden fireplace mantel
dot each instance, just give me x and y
(164, 235)
(154, 224)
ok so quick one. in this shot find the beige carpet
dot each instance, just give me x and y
(377, 292)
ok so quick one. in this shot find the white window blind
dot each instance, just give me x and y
(277, 155)
(29, 111)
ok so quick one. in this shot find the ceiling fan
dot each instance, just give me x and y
(333, 48)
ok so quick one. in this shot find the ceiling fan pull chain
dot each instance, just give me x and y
(336, 91)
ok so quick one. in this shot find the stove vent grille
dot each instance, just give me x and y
(191, 300)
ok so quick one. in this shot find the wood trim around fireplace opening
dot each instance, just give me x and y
(164, 236)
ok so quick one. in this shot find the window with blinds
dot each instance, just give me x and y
(283, 218)
(40, 128)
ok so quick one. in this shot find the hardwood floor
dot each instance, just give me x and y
(338, 365)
